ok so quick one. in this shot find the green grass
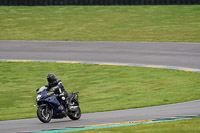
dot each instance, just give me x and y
(182, 126)
(101, 88)
(177, 23)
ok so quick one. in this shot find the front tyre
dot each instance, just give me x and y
(44, 114)
(75, 115)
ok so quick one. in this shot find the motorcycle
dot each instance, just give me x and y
(49, 107)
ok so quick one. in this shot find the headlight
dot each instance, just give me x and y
(38, 97)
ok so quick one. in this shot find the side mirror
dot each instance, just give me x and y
(37, 90)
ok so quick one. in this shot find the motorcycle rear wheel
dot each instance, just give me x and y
(43, 116)
(75, 115)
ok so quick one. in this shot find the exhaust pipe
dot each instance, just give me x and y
(73, 108)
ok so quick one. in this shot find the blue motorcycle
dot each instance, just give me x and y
(49, 106)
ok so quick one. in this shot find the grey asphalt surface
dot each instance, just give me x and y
(170, 54)
(155, 53)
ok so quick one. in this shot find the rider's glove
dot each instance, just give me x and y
(54, 88)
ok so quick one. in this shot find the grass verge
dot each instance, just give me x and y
(175, 23)
(102, 88)
(181, 126)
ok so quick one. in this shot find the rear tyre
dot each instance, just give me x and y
(44, 115)
(75, 115)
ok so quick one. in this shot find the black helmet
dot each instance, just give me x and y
(51, 78)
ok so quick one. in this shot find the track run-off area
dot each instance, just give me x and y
(179, 56)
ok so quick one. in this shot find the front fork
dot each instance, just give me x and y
(47, 109)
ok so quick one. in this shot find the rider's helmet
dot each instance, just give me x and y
(51, 78)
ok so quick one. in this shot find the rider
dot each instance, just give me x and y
(56, 86)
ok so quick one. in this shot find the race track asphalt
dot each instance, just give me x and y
(150, 53)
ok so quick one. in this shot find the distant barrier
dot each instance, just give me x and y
(96, 2)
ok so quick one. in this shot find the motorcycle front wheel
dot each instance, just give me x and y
(44, 114)
(75, 115)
